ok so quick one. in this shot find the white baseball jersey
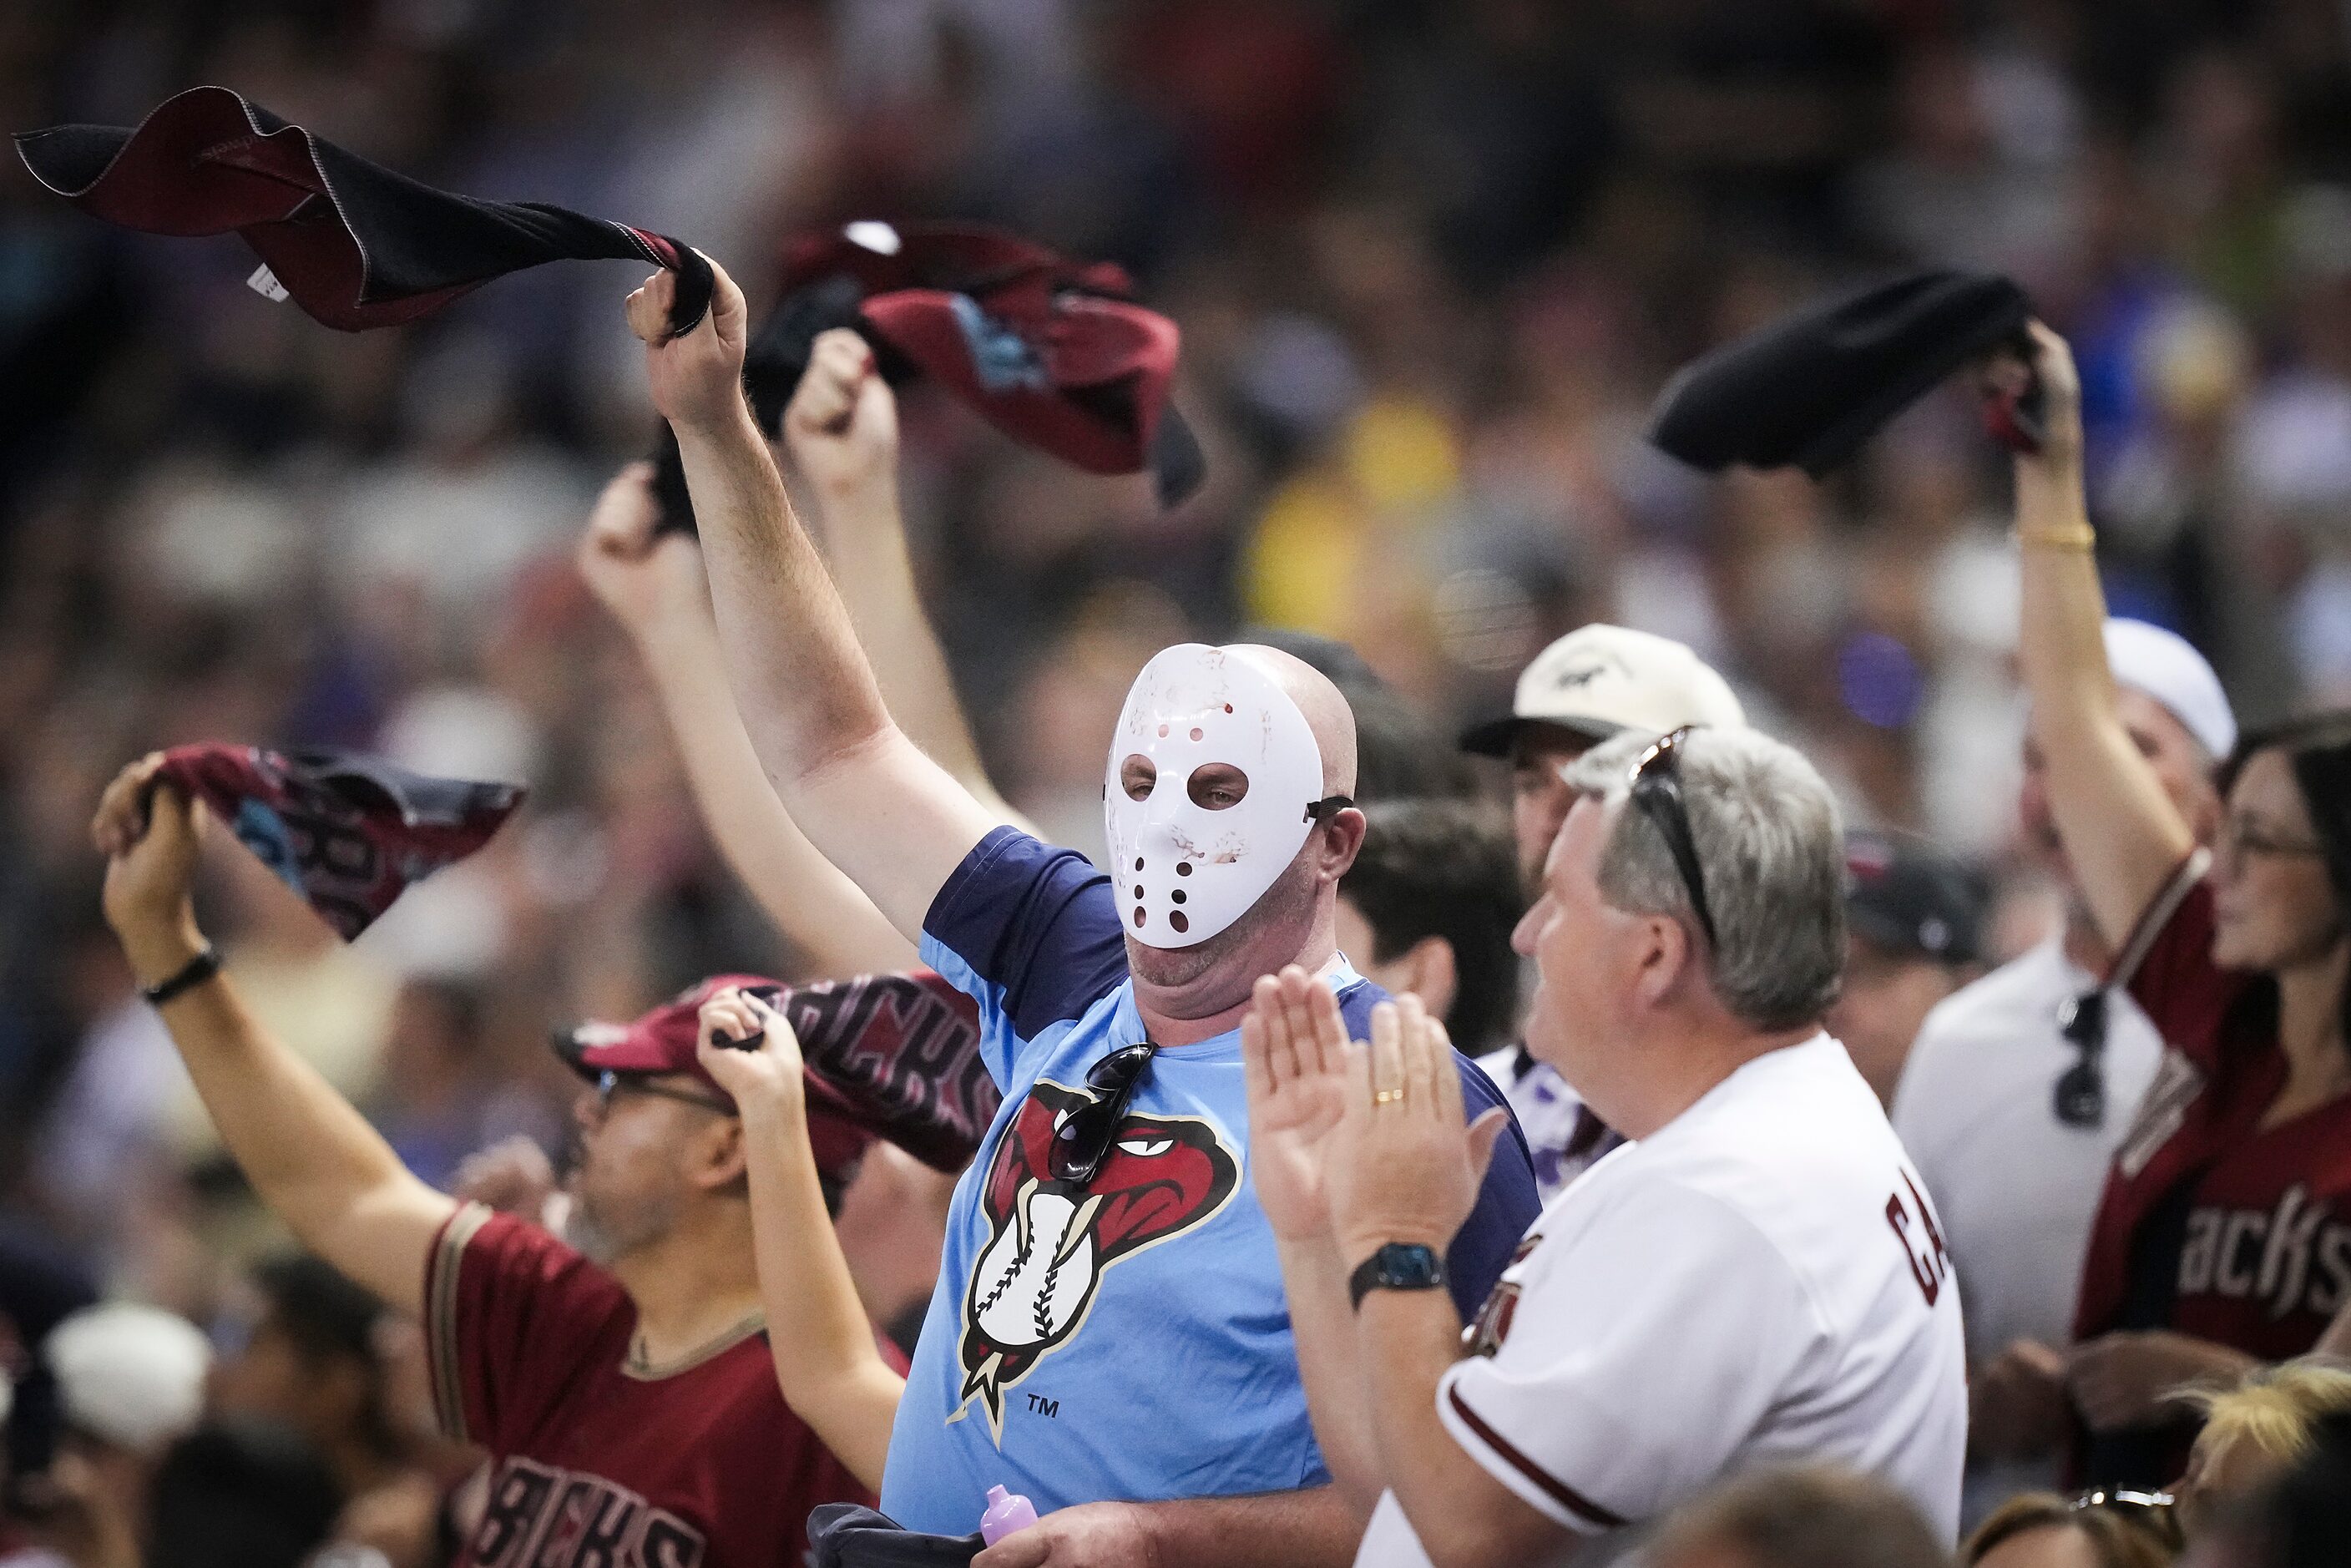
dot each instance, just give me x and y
(1760, 1281)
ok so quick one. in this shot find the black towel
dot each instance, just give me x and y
(354, 244)
(843, 1535)
(1808, 390)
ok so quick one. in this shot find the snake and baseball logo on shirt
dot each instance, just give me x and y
(1052, 1239)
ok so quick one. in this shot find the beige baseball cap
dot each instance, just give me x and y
(1600, 679)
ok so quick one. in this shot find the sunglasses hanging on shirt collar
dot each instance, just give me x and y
(1082, 1141)
(2081, 1091)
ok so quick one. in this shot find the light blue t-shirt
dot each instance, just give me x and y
(1128, 1340)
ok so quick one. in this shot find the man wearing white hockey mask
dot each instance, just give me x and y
(1109, 1334)
(1218, 787)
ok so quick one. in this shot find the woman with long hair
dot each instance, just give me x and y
(2223, 1238)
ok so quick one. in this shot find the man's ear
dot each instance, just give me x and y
(1665, 959)
(1336, 842)
(717, 1155)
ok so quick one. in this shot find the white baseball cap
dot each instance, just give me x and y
(2166, 668)
(130, 1374)
(1600, 679)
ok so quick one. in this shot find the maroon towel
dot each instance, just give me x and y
(1054, 352)
(347, 833)
(352, 242)
(898, 1055)
(889, 1056)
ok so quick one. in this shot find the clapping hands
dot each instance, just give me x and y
(1359, 1140)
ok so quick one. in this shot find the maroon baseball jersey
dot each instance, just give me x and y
(2210, 1225)
(598, 1464)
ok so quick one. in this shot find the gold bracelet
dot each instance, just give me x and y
(2081, 537)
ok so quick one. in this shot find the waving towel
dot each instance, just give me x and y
(354, 244)
(346, 831)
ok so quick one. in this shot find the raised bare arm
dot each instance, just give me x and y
(863, 792)
(841, 434)
(654, 585)
(312, 1158)
(2122, 834)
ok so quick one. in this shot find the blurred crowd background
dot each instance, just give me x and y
(1432, 261)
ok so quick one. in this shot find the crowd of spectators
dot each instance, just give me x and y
(1432, 263)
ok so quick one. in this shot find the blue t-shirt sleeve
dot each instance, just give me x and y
(1031, 932)
(1509, 1201)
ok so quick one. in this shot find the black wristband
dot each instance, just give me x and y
(193, 973)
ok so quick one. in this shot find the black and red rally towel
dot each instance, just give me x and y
(1807, 390)
(895, 1056)
(1055, 352)
(348, 833)
(899, 1056)
(354, 244)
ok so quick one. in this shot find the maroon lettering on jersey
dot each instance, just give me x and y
(519, 1498)
(1934, 1231)
(1913, 1222)
(611, 1534)
(546, 1518)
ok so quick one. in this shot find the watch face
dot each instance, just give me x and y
(1410, 1268)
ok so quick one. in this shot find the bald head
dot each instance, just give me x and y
(1324, 706)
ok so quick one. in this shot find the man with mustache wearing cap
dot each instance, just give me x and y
(1595, 682)
(621, 1382)
(1109, 1335)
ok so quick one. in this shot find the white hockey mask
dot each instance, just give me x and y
(1213, 783)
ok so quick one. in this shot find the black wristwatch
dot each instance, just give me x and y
(1398, 1266)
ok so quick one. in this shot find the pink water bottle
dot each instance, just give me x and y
(1006, 1512)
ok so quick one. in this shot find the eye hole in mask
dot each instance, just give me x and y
(1138, 776)
(1216, 786)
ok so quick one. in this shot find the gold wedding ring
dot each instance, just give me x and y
(1386, 1096)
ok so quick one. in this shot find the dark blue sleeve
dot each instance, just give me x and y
(1507, 1205)
(1509, 1201)
(1028, 931)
